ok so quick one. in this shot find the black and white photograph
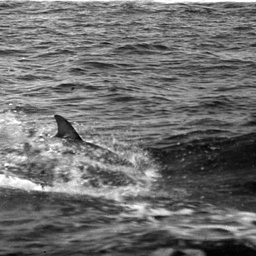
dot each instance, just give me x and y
(127, 128)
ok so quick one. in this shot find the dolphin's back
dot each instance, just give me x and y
(66, 130)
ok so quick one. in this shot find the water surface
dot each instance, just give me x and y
(170, 88)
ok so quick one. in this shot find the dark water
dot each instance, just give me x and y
(170, 88)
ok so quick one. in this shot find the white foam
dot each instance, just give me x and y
(18, 183)
(35, 160)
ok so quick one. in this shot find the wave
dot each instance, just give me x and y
(206, 151)
(141, 48)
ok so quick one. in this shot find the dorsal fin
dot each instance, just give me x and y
(65, 129)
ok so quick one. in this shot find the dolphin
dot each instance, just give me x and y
(68, 132)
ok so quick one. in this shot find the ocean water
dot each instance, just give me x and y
(166, 89)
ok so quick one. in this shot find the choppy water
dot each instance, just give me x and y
(169, 87)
